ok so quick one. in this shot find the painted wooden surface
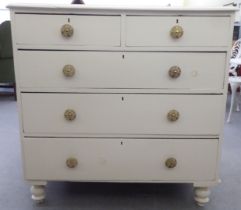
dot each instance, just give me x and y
(121, 93)
(120, 159)
(198, 31)
(88, 30)
(63, 8)
(121, 114)
(141, 70)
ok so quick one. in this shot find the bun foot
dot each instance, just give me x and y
(38, 193)
(201, 195)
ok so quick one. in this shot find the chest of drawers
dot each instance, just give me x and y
(121, 94)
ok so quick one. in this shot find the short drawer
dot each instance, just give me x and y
(197, 31)
(88, 114)
(120, 160)
(83, 30)
(198, 71)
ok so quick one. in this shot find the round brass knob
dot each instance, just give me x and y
(171, 163)
(174, 72)
(71, 162)
(67, 30)
(68, 70)
(176, 32)
(69, 114)
(173, 115)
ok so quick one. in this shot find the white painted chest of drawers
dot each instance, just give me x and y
(121, 94)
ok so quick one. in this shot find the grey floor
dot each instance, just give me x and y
(14, 192)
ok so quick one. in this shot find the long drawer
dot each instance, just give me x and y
(68, 114)
(120, 160)
(87, 30)
(197, 31)
(198, 71)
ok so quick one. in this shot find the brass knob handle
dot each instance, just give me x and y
(174, 72)
(67, 30)
(173, 115)
(68, 70)
(176, 32)
(71, 162)
(69, 114)
(171, 163)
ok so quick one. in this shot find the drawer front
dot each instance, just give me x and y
(87, 30)
(120, 160)
(197, 31)
(48, 114)
(199, 71)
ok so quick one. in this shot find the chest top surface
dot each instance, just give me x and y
(63, 8)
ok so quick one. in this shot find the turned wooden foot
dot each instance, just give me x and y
(201, 195)
(38, 193)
